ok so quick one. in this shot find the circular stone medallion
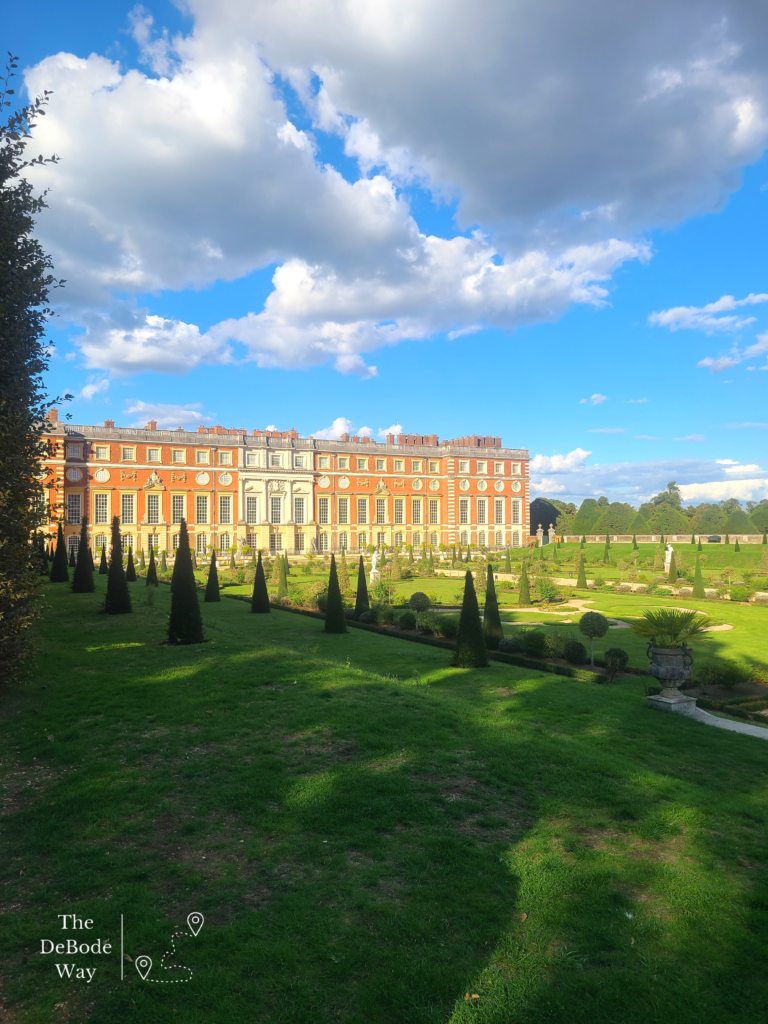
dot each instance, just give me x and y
(464, 485)
(343, 482)
(323, 482)
(417, 485)
(516, 486)
(74, 475)
(482, 485)
(202, 478)
(101, 475)
(225, 479)
(434, 485)
(499, 485)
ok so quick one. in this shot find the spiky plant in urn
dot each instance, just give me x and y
(668, 632)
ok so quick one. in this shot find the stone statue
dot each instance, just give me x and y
(668, 556)
(374, 567)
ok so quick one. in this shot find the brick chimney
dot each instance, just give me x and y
(52, 415)
(109, 423)
(202, 430)
(152, 425)
(390, 438)
(344, 437)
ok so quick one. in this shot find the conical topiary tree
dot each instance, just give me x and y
(103, 564)
(152, 570)
(606, 549)
(82, 581)
(396, 571)
(581, 579)
(72, 560)
(118, 599)
(344, 571)
(524, 597)
(583, 541)
(507, 562)
(727, 539)
(765, 537)
(163, 562)
(736, 545)
(459, 553)
(130, 571)
(282, 579)
(361, 600)
(634, 542)
(334, 613)
(541, 553)
(287, 564)
(232, 563)
(59, 570)
(693, 538)
(470, 645)
(186, 623)
(699, 545)
(672, 577)
(698, 582)
(277, 569)
(492, 629)
(260, 594)
(142, 564)
(212, 583)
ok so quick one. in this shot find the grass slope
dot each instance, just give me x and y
(371, 835)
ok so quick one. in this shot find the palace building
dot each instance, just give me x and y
(280, 492)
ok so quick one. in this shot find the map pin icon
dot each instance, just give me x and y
(143, 966)
(195, 922)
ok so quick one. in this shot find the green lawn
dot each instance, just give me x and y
(370, 834)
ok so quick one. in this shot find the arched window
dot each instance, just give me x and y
(416, 540)
(201, 543)
(73, 543)
(433, 540)
(464, 538)
(515, 539)
(499, 538)
(324, 542)
(481, 539)
(343, 541)
(225, 542)
(398, 540)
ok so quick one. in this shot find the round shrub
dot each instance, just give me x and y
(407, 620)
(322, 602)
(389, 615)
(616, 660)
(574, 652)
(722, 672)
(419, 602)
(449, 626)
(554, 644)
(533, 642)
(349, 613)
(510, 645)
(739, 594)
(366, 616)
(429, 623)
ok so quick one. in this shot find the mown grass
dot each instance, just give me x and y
(370, 834)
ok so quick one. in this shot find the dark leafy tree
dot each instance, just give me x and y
(72, 561)
(616, 660)
(524, 596)
(334, 615)
(581, 579)
(186, 623)
(130, 569)
(118, 599)
(593, 625)
(82, 581)
(152, 570)
(282, 583)
(492, 629)
(212, 585)
(470, 644)
(103, 564)
(765, 538)
(260, 595)
(59, 571)
(361, 600)
(727, 539)
(698, 582)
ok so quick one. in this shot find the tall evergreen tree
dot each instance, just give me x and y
(396, 572)
(693, 538)
(103, 564)
(59, 570)
(253, 557)
(698, 582)
(634, 542)
(334, 613)
(581, 579)
(492, 629)
(163, 562)
(554, 552)
(583, 541)
(507, 562)
(277, 570)
(736, 545)
(142, 564)
(470, 644)
(232, 563)
(82, 581)
(672, 577)
(765, 537)
(727, 539)
(282, 581)
(524, 597)
(606, 550)
(287, 564)
(410, 554)
(260, 594)
(185, 625)
(361, 600)
(459, 554)
(699, 545)
(72, 560)
(343, 571)
(118, 599)
(541, 553)
(152, 570)
(212, 584)
(130, 571)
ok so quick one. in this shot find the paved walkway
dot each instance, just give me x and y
(726, 723)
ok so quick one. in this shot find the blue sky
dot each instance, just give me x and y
(292, 215)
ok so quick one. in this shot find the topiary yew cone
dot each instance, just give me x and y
(361, 600)
(118, 599)
(212, 583)
(82, 582)
(152, 570)
(260, 595)
(59, 570)
(492, 628)
(470, 644)
(186, 623)
(334, 613)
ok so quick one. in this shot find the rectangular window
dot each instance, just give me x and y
(251, 511)
(344, 511)
(225, 458)
(434, 467)
(415, 465)
(415, 511)
(153, 454)
(225, 510)
(381, 539)
(177, 508)
(498, 467)
(74, 507)
(362, 540)
(276, 459)
(362, 510)
(515, 469)
(101, 508)
(201, 543)
(74, 451)
(322, 510)
(127, 508)
(298, 541)
(323, 541)
(434, 510)
(399, 511)
(225, 542)
(127, 541)
(298, 461)
(463, 510)
(175, 542)
(343, 463)
(343, 541)
(153, 541)
(362, 463)
(482, 467)
(153, 509)
(482, 511)
(201, 458)
(322, 462)
(128, 454)
(276, 508)
(298, 511)
(381, 510)
(101, 451)
(515, 513)
(251, 458)
(416, 540)
(275, 542)
(381, 465)
(398, 465)
(499, 510)
(463, 466)
(99, 542)
(201, 509)
(178, 456)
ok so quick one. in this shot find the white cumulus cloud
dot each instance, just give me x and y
(707, 318)
(166, 415)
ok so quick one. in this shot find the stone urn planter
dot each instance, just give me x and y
(672, 667)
